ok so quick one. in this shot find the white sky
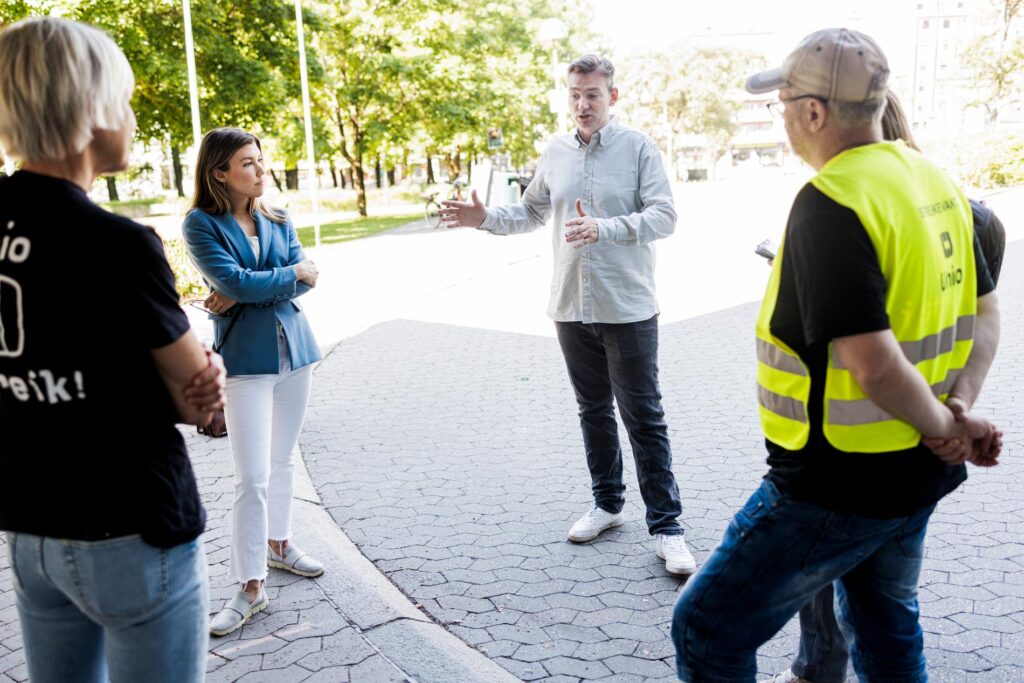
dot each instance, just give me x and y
(634, 24)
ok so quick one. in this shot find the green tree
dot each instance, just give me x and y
(246, 59)
(995, 60)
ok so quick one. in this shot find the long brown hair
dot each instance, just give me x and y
(215, 152)
(894, 122)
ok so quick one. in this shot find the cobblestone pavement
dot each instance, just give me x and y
(300, 637)
(452, 458)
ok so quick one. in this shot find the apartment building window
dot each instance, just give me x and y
(924, 24)
(945, 23)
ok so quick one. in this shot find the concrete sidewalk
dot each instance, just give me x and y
(446, 465)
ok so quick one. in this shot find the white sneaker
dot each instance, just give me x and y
(673, 550)
(237, 612)
(786, 676)
(589, 526)
(294, 561)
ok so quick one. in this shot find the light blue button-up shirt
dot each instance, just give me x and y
(621, 181)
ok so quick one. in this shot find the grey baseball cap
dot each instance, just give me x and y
(835, 64)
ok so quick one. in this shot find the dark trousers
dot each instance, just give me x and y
(618, 363)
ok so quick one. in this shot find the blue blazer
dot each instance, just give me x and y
(269, 287)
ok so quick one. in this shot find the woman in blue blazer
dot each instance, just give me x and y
(251, 258)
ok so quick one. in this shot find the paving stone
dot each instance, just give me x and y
(375, 669)
(648, 668)
(542, 651)
(290, 653)
(344, 648)
(292, 675)
(577, 668)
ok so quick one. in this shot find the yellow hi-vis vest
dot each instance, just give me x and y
(920, 225)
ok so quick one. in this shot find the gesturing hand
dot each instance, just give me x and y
(582, 229)
(456, 214)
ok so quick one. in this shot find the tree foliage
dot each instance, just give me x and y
(677, 92)
(995, 59)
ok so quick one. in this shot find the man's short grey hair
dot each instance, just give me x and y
(588, 64)
(59, 81)
(857, 114)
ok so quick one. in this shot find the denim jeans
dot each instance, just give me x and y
(618, 363)
(117, 609)
(776, 555)
(823, 652)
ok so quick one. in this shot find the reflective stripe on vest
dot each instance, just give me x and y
(932, 346)
(781, 405)
(774, 357)
(865, 411)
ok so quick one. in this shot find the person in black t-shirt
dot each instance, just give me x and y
(98, 500)
(823, 652)
(867, 322)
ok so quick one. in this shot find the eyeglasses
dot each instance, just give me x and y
(777, 107)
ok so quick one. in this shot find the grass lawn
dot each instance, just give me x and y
(344, 231)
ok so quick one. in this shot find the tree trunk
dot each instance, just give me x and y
(176, 165)
(430, 170)
(378, 173)
(112, 188)
(469, 168)
(291, 178)
(277, 181)
(391, 176)
(334, 176)
(355, 159)
(454, 164)
(346, 178)
(359, 183)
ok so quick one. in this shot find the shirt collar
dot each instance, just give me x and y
(602, 135)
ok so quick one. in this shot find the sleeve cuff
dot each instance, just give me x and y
(487, 223)
(606, 230)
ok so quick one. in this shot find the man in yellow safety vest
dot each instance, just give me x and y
(876, 312)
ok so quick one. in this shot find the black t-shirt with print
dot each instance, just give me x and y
(88, 443)
(832, 286)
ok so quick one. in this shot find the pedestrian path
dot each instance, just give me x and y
(446, 465)
(463, 499)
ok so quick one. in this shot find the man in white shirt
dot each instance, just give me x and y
(606, 189)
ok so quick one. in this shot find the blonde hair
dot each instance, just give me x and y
(894, 122)
(215, 152)
(59, 82)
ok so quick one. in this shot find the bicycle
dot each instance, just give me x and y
(432, 207)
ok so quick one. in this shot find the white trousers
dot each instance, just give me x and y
(264, 415)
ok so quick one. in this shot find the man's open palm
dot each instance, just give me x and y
(457, 214)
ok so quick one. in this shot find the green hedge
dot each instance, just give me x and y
(187, 279)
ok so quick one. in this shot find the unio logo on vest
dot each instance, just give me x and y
(954, 277)
(947, 245)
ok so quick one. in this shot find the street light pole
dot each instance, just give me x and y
(193, 88)
(308, 119)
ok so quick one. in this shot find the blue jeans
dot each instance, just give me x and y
(118, 609)
(776, 555)
(611, 363)
(823, 652)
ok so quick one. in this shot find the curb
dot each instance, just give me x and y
(420, 648)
